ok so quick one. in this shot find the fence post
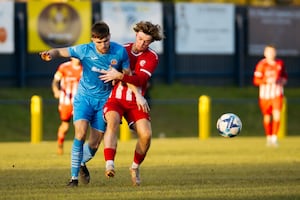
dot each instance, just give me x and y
(36, 106)
(204, 117)
(125, 133)
(283, 120)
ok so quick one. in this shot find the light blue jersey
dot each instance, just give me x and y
(92, 92)
(93, 62)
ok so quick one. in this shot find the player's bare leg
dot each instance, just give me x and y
(144, 132)
(268, 129)
(61, 133)
(110, 142)
(275, 127)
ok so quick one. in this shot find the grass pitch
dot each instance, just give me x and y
(185, 168)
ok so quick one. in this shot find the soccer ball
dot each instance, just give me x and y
(229, 125)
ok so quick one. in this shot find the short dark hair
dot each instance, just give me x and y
(100, 30)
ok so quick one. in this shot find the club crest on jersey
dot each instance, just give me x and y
(142, 62)
(113, 62)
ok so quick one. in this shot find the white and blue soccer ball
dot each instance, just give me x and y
(229, 125)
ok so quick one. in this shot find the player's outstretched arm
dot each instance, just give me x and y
(138, 79)
(54, 53)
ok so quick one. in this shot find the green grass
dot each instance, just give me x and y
(174, 111)
(175, 168)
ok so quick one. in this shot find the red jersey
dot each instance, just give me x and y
(142, 66)
(69, 77)
(268, 78)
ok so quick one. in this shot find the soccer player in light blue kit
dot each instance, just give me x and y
(92, 93)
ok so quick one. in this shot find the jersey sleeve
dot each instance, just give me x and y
(258, 77)
(78, 51)
(141, 77)
(283, 73)
(136, 79)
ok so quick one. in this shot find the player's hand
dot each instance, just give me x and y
(281, 81)
(56, 94)
(142, 103)
(45, 55)
(110, 75)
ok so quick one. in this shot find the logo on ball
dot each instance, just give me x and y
(229, 125)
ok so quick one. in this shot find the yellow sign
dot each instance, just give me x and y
(57, 24)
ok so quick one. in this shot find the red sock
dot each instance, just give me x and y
(268, 128)
(109, 154)
(138, 158)
(275, 127)
(60, 140)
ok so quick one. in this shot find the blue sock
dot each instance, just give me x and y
(76, 157)
(88, 153)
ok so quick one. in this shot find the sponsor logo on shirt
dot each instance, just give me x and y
(94, 58)
(95, 69)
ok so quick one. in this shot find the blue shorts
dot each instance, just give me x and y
(89, 109)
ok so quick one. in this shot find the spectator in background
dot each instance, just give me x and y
(64, 87)
(270, 76)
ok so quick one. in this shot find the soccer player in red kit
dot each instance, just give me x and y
(64, 87)
(270, 76)
(123, 102)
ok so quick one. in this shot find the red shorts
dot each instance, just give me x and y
(127, 109)
(268, 106)
(65, 112)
